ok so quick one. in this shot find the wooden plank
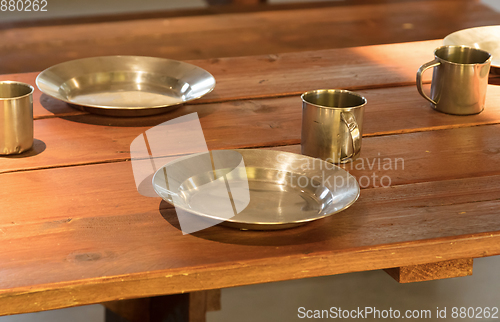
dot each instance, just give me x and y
(432, 271)
(441, 155)
(227, 76)
(430, 158)
(329, 71)
(210, 10)
(254, 33)
(44, 207)
(231, 258)
(289, 268)
(87, 222)
(290, 74)
(254, 123)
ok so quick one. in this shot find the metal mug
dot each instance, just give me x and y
(332, 123)
(459, 80)
(16, 117)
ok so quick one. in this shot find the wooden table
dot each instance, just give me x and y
(75, 231)
(229, 31)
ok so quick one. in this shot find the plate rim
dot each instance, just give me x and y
(121, 108)
(264, 224)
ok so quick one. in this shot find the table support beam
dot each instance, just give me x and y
(432, 271)
(189, 307)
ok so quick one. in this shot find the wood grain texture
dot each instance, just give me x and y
(78, 232)
(440, 155)
(252, 33)
(289, 74)
(74, 223)
(84, 223)
(116, 181)
(286, 75)
(282, 268)
(240, 124)
(432, 271)
(210, 10)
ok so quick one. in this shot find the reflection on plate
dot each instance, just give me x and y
(267, 189)
(125, 85)
(486, 38)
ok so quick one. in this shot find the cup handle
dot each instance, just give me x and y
(352, 125)
(420, 71)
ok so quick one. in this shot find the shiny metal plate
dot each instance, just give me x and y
(268, 190)
(125, 85)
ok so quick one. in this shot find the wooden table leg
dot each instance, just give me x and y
(494, 77)
(432, 271)
(189, 307)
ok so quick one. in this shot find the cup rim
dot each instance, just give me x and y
(32, 89)
(335, 91)
(462, 46)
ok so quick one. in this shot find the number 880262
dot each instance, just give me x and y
(23, 5)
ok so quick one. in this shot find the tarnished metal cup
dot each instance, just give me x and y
(459, 79)
(16, 117)
(332, 123)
